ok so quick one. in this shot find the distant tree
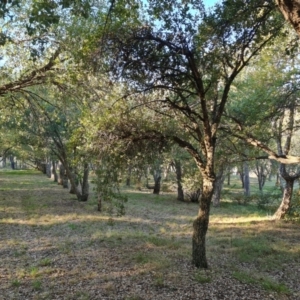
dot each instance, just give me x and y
(265, 114)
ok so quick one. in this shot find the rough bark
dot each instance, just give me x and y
(291, 12)
(178, 170)
(200, 225)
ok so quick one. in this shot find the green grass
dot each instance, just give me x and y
(37, 285)
(262, 280)
(199, 277)
(15, 283)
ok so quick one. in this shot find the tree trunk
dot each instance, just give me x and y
(128, 179)
(72, 178)
(220, 178)
(178, 170)
(48, 169)
(228, 177)
(12, 162)
(246, 179)
(85, 183)
(200, 225)
(261, 171)
(242, 176)
(290, 10)
(55, 176)
(74, 183)
(63, 178)
(99, 204)
(157, 180)
(286, 200)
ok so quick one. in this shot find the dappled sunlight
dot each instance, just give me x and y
(48, 219)
(238, 220)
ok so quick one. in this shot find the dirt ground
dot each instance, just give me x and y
(53, 247)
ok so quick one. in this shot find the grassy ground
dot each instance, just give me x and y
(53, 247)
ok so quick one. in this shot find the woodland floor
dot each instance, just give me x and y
(53, 247)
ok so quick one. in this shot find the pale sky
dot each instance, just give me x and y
(210, 2)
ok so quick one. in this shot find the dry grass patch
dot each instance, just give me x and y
(53, 247)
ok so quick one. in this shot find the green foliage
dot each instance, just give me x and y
(107, 186)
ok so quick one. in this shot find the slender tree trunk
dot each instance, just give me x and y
(85, 183)
(246, 179)
(220, 178)
(63, 176)
(228, 177)
(99, 202)
(260, 171)
(242, 176)
(178, 170)
(74, 186)
(55, 176)
(286, 200)
(48, 169)
(128, 179)
(200, 225)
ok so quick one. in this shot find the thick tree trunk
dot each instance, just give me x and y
(286, 200)
(200, 225)
(178, 170)
(290, 10)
